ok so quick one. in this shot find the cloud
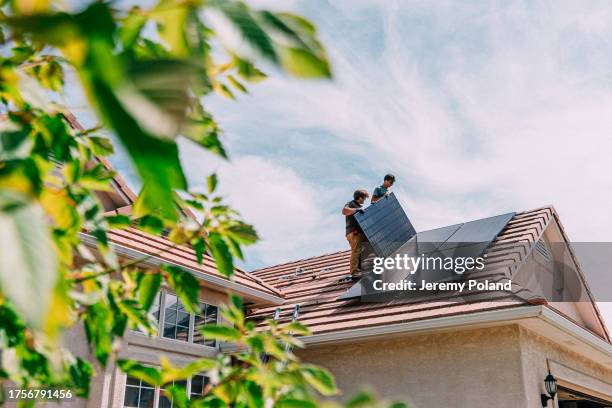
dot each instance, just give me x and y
(479, 108)
(289, 213)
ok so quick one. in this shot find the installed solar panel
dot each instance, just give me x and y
(386, 225)
(484, 230)
(469, 239)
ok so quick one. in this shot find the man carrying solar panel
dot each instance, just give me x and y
(354, 234)
(384, 189)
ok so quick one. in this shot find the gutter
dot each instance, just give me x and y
(469, 320)
(437, 323)
(576, 331)
(479, 319)
(154, 261)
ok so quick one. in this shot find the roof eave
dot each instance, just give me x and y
(215, 281)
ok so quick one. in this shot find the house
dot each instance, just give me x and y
(456, 352)
(448, 352)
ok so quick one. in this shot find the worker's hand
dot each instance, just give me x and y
(360, 210)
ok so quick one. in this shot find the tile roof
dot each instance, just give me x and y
(184, 256)
(314, 284)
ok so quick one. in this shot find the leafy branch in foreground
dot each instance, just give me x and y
(146, 74)
(259, 372)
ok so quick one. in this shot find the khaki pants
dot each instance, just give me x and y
(355, 240)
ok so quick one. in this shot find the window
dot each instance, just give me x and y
(142, 395)
(208, 315)
(154, 311)
(138, 394)
(198, 386)
(164, 401)
(176, 323)
(176, 320)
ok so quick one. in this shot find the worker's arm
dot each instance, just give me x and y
(375, 199)
(349, 211)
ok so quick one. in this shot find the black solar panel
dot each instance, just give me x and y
(386, 225)
(484, 230)
(389, 231)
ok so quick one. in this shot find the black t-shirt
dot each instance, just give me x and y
(351, 222)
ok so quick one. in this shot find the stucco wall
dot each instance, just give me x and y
(499, 366)
(471, 368)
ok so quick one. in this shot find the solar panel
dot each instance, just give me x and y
(469, 239)
(483, 230)
(386, 225)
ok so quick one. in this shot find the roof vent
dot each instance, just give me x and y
(542, 248)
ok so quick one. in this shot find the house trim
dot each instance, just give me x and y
(537, 318)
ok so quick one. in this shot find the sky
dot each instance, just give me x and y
(478, 108)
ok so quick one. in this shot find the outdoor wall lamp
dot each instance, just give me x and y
(550, 383)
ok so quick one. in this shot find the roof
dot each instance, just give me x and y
(317, 287)
(166, 251)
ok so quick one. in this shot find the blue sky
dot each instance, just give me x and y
(479, 108)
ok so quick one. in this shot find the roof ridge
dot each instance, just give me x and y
(265, 268)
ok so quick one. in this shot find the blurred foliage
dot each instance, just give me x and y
(145, 73)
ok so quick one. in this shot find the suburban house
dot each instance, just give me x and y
(445, 352)
(442, 353)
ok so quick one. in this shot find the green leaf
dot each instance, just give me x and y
(98, 326)
(220, 332)
(294, 403)
(157, 160)
(304, 63)
(151, 224)
(298, 22)
(80, 374)
(100, 146)
(131, 27)
(211, 181)
(320, 379)
(242, 233)
(172, 22)
(178, 396)
(148, 285)
(185, 285)
(236, 84)
(149, 375)
(252, 39)
(248, 71)
(223, 90)
(221, 253)
(361, 399)
(297, 329)
(12, 327)
(171, 373)
(199, 246)
(28, 263)
(118, 221)
(158, 96)
(254, 394)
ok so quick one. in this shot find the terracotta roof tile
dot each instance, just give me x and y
(183, 255)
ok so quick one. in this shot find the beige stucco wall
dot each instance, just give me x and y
(471, 368)
(500, 366)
